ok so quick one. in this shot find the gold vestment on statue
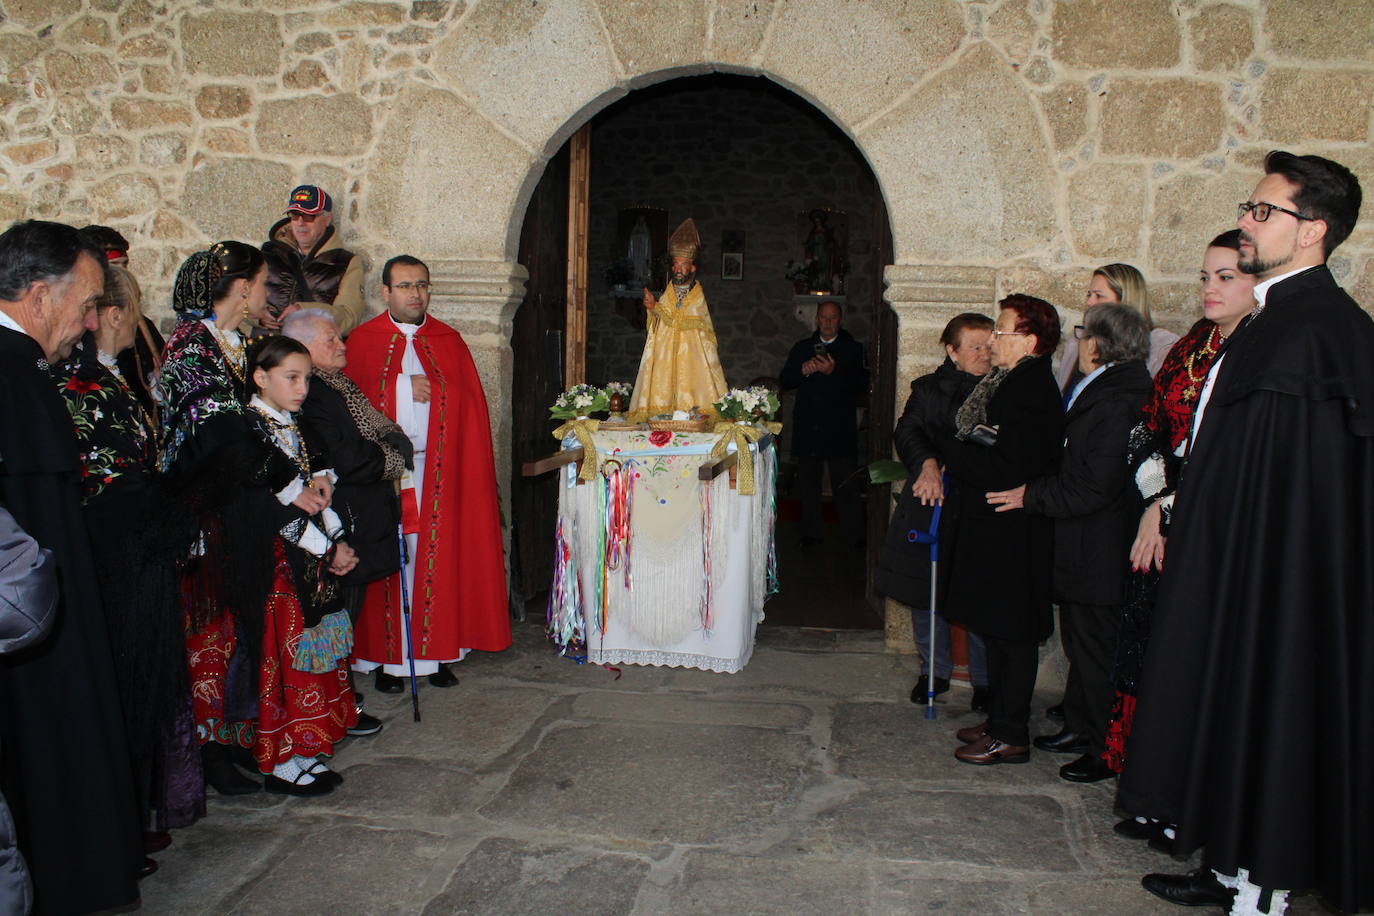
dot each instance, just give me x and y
(680, 369)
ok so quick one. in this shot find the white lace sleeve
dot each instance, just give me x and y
(1150, 478)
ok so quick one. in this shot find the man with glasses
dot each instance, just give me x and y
(417, 371)
(1252, 731)
(306, 265)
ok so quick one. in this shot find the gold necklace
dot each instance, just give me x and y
(1209, 350)
(235, 354)
(293, 445)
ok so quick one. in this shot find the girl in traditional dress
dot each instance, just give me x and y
(138, 542)
(305, 702)
(1157, 446)
(211, 453)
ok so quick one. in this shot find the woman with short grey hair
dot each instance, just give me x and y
(1095, 507)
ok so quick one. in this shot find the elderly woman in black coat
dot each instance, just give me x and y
(903, 572)
(1094, 505)
(997, 579)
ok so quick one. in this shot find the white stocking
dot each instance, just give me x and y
(1248, 896)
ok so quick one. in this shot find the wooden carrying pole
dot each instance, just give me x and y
(579, 174)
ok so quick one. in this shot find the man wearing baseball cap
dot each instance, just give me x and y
(306, 265)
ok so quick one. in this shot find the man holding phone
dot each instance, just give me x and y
(830, 373)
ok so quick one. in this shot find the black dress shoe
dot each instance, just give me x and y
(979, 703)
(1197, 888)
(1088, 768)
(388, 683)
(279, 786)
(243, 757)
(220, 773)
(918, 693)
(366, 725)
(1162, 842)
(1133, 829)
(1055, 712)
(1066, 742)
(443, 677)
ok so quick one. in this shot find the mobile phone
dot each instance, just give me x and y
(820, 349)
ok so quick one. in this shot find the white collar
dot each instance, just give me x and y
(1087, 380)
(406, 329)
(830, 341)
(7, 322)
(108, 361)
(281, 416)
(1262, 289)
(217, 330)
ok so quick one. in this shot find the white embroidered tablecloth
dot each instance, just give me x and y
(662, 613)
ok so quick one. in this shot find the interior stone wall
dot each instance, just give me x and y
(735, 157)
(1017, 142)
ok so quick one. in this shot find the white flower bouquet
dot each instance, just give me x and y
(579, 401)
(755, 404)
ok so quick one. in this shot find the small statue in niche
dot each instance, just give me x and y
(824, 259)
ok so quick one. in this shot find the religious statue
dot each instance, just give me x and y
(680, 368)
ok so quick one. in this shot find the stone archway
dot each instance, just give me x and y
(960, 150)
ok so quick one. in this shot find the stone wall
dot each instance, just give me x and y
(735, 157)
(1016, 142)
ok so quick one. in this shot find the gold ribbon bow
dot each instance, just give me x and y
(583, 430)
(741, 436)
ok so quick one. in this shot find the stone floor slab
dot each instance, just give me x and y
(786, 673)
(712, 882)
(653, 783)
(399, 788)
(688, 710)
(504, 877)
(478, 723)
(208, 861)
(368, 871)
(1005, 830)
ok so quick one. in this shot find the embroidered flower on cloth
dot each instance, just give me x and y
(81, 385)
(660, 437)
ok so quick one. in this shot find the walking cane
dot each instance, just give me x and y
(931, 537)
(405, 617)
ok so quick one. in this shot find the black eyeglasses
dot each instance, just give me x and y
(1080, 332)
(1261, 211)
(405, 287)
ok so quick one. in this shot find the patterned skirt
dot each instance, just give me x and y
(1132, 641)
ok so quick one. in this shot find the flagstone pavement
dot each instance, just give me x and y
(806, 784)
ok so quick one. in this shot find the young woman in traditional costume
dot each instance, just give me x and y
(305, 701)
(1155, 455)
(139, 542)
(212, 455)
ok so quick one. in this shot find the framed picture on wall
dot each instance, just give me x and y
(732, 266)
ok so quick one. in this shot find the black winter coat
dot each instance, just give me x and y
(823, 418)
(1091, 497)
(365, 501)
(903, 572)
(996, 568)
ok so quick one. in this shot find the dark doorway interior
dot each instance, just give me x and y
(748, 160)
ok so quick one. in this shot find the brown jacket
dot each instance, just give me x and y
(332, 276)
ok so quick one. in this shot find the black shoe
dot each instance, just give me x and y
(1088, 768)
(1133, 829)
(279, 786)
(1162, 842)
(220, 773)
(1066, 742)
(979, 703)
(918, 693)
(366, 725)
(1055, 712)
(243, 757)
(147, 868)
(1197, 888)
(323, 773)
(388, 683)
(443, 677)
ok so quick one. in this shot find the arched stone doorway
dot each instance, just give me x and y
(750, 162)
(958, 144)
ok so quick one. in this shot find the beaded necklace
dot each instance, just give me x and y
(290, 440)
(235, 354)
(1201, 359)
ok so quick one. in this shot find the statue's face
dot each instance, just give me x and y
(682, 270)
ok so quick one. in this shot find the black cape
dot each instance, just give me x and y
(64, 766)
(1253, 730)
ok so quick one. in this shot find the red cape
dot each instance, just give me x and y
(459, 600)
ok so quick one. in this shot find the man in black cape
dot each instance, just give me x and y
(64, 766)
(1253, 731)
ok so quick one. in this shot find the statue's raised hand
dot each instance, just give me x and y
(649, 300)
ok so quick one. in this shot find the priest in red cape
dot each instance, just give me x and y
(419, 372)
